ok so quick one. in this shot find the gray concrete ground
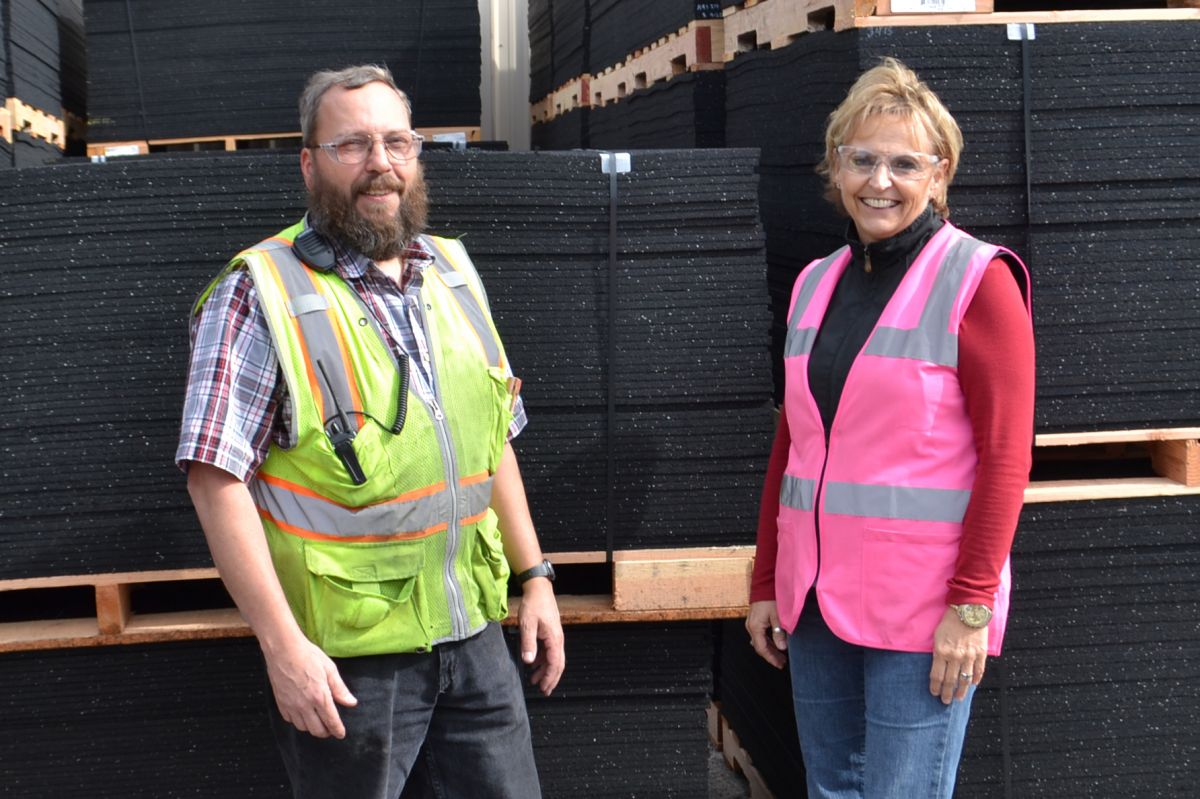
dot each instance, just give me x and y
(724, 782)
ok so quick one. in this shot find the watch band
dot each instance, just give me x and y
(543, 569)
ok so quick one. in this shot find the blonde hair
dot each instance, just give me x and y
(892, 90)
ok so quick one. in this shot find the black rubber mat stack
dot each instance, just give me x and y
(628, 717)
(1095, 693)
(622, 27)
(684, 112)
(170, 70)
(73, 71)
(756, 699)
(6, 160)
(31, 75)
(1116, 244)
(541, 50)
(1110, 236)
(190, 719)
(692, 428)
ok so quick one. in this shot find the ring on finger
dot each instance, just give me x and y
(964, 677)
(776, 630)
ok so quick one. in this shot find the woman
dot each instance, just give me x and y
(899, 466)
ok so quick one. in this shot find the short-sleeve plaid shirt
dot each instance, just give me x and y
(236, 403)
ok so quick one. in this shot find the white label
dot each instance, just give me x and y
(931, 6)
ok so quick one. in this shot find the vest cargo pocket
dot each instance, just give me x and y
(490, 570)
(364, 598)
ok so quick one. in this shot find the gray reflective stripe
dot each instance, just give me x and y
(896, 502)
(305, 512)
(320, 340)
(309, 303)
(461, 291)
(797, 492)
(931, 340)
(800, 339)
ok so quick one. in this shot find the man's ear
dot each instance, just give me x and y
(307, 166)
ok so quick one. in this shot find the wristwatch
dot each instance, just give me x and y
(973, 615)
(543, 569)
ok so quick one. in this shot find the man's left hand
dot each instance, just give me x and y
(541, 634)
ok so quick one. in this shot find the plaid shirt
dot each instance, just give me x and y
(237, 404)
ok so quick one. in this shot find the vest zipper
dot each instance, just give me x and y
(455, 604)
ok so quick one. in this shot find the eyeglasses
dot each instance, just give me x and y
(351, 150)
(901, 166)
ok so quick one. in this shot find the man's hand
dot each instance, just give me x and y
(307, 685)
(541, 634)
(766, 636)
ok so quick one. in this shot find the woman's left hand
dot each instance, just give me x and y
(959, 655)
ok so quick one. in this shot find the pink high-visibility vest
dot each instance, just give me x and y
(892, 487)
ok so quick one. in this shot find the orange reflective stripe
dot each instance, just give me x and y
(472, 479)
(407, 496)
(478, 517)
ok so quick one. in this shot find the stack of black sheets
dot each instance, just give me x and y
(103, 262)
(590, 36)
(685, 112)
(1095, 693)
(1109, 234)
(190, 719)
(30, 60)
(620, 28)
(756, 699)
(171, 70)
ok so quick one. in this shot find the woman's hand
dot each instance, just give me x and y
(959, 656)
(766, 636)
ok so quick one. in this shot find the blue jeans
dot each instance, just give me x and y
(453, 720)
(868, 725)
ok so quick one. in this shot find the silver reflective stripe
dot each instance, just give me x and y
(797, 493)
(896, 502)
(800, 339)
(320, 340)
(309, 303)
(304, 512)
(461, 291)
(931, 340)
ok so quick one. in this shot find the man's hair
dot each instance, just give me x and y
(892, 90)
(348, 78)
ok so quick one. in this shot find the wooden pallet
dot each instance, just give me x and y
(648, 586)
(693, 48)
(20, 117)
(723, 738)
(771, 24)
(289, 140)
(1171, 455)
(860, 14)
(571, 95)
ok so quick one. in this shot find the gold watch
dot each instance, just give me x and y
(973, 615)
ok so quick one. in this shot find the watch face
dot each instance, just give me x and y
(975, 615)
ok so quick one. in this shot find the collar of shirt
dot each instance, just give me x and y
(353, 265)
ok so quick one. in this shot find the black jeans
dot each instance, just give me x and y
(453, 720)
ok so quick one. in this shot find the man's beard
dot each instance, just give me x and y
(378, 237)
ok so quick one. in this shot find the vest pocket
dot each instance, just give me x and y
(489, 568)
(365, 598)
(904, 574)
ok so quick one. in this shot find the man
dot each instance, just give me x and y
(346, 442)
